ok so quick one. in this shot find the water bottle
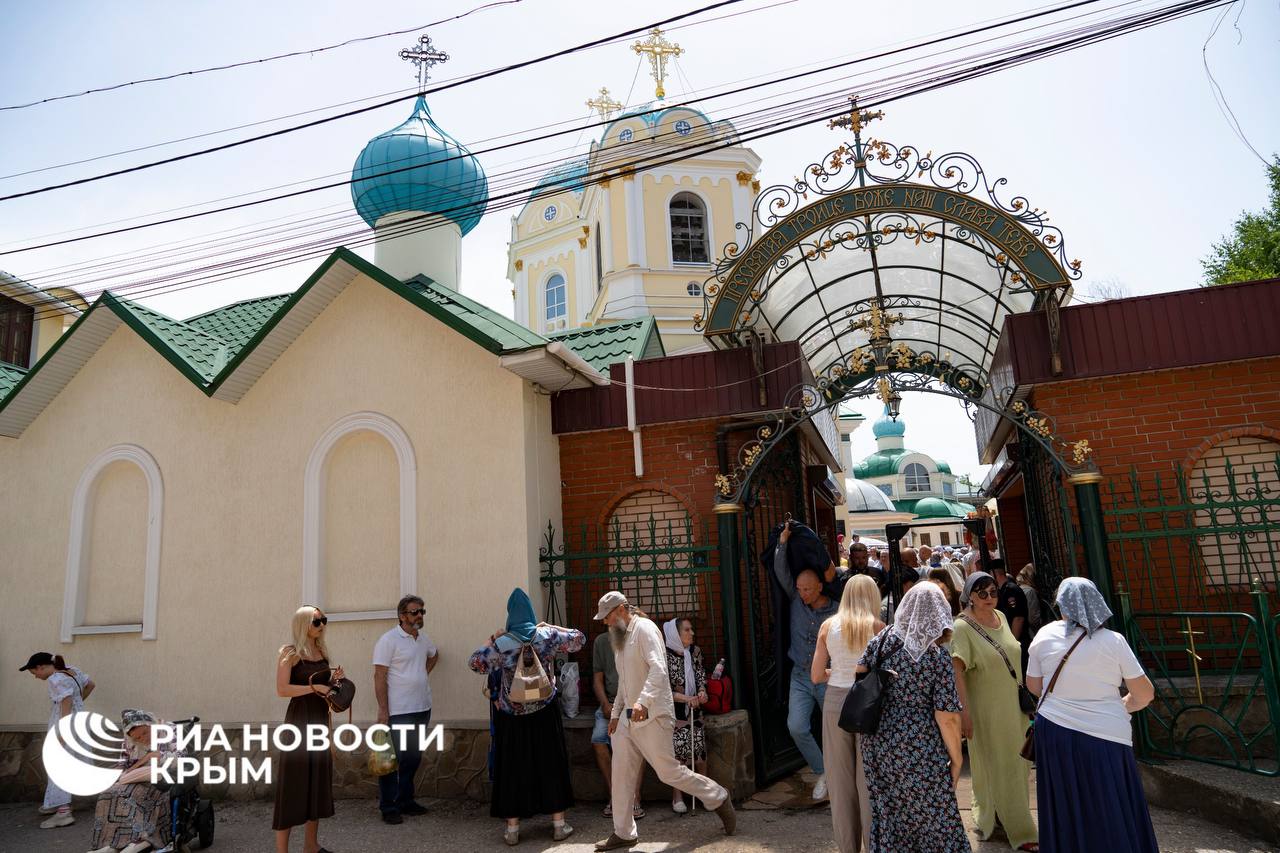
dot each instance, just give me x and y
(718, 672)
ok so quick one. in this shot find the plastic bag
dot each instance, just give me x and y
(569, 689)
(382, 761)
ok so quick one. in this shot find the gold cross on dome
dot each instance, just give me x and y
(424, 56)
(856, 119)
(603, 104)
(658, 50)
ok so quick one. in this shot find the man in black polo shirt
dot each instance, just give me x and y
(1012, 602)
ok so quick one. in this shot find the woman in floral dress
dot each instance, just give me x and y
(913, 760)
(689, 690)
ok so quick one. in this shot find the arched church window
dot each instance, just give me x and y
(917, 478)
(554, 291)
(688, 230)
(694, 289)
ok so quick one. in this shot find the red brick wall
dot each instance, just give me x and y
(1159, 424)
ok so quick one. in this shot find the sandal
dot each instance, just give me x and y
(637, 812)
(1030, 847)
(608, 810)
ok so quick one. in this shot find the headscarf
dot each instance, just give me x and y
(922, 617)
(970, 583)
(133, 717)
(671, 632)
(1082, 605)
(967, 560)
(521, 622)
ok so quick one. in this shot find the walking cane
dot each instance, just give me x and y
(693, 748)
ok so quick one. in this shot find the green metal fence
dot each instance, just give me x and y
(664, 566)
(1195, 560)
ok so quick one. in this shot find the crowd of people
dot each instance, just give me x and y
(969, 647)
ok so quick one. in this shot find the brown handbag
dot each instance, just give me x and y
(342, 692)
(1028, 750)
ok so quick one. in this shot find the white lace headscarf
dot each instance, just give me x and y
(1082, 605)
(922, 617)
(671, 634)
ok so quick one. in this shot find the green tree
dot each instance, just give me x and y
(1252, 250)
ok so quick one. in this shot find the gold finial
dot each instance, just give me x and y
(603, 104)
(658, 50)
(856, 119)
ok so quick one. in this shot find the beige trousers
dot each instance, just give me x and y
(651, 742)
(846, 781)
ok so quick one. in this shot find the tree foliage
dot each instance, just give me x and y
(1251, 251)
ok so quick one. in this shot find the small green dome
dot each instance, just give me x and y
(939, 508)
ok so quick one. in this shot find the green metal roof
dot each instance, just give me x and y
(10, 375)
(504, 336)
(237, 323)
(203, 353)
(611, 343)
(934, 508)
(882, 463)
(209, 347)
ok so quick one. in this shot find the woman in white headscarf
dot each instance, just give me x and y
(689, 690)
(1087, 785)
(913, 760)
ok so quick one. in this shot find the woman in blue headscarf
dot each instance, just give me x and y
(1087, 785)
(530, 762)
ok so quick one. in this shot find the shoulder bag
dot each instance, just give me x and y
(529, 683)
(1028, 750)
(1026, 700)
(860, 713)
(342, 692)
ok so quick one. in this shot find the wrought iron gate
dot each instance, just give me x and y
(776, 490)
(1049, 522)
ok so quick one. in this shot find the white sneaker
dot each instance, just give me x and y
(679, 807)
(820, 789)
(57, 820)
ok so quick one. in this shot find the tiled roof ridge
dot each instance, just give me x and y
(139, 308)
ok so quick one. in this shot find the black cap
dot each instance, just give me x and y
(38, 659)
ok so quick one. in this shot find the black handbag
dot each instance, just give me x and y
(860, 713)
(1026, 699)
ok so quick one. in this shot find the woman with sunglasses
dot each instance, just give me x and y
(988, 664)
(304, 781)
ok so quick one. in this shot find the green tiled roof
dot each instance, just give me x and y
(934, 508)
(236, 324)
(504, 336)
(208, 348)
(882, 463)
(204, 353)
(611, 343)
(10, 375)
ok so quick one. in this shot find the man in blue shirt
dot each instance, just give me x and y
(809, 609)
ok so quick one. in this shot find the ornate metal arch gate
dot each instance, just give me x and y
(896, 275)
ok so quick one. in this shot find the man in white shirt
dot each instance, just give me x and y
(402, 661)
(644, 732)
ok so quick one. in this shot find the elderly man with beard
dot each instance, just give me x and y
(643, 732)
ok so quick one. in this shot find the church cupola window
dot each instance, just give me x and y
(554, 291)
(694, 289)
(688, 230)
(917, 478)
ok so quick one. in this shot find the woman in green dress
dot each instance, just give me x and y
(988, 665)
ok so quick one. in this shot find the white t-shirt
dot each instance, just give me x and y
(408, 688)
(1086, 698)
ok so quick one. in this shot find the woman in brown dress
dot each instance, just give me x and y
(304, 783)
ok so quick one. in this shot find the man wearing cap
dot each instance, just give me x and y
(643, 720)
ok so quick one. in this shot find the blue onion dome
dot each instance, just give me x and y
(418, 167)
(886, 426)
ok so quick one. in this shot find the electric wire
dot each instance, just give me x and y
(833, 107)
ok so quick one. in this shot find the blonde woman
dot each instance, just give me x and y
(841, 641)
(304, 783)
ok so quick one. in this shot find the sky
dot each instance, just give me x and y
(1122, 142)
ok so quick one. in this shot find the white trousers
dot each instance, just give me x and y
(651, 742)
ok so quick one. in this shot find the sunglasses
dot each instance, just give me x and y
(416, 613)
(323, 620)
(985, 593)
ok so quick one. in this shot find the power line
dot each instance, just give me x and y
(483, 75)
(822, 70)
(260, 61)
(819, 110)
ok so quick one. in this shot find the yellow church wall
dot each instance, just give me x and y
(565, 264)
(232, 531)
(716, 196)
(47, 332)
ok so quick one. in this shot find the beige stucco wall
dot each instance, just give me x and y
(230, 574)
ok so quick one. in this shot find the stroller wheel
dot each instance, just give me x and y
(205, 823)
